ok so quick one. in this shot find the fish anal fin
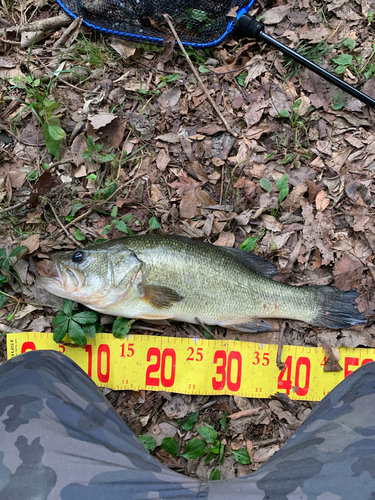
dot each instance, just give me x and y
(252, 326)
(160, 297)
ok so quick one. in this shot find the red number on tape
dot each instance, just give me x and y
(350, 362)
(28, 346)
(199, 355)
(103, 349)
(365, 361)
(130, 350)
(153, 351)
(302, 361)
(161, 360)
(287, 383)
(225, 376)
(168, 353)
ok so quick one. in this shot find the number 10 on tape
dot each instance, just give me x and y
(198, 366)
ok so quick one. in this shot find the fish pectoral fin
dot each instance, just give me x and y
(160, 297)
(252, 326)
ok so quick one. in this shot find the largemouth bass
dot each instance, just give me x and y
(171, 277)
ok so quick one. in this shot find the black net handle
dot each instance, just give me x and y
(249, 27)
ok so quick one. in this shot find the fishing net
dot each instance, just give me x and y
(199, 24)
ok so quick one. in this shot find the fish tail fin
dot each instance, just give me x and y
(337, 309)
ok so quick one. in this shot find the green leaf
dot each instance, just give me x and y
(343, 60)
(32, 176)
(349, 43)
(114, 212)
(78, 235)
(266, 184)
(85, 317)
(148, 442)
(68, 307)
(208, 434)
(340, 70)
(283, 194)
(249, 244)
(296, 104)
(153, 223)
(16, 251)
(56, 132)
(121, 226)
(107, 229)
(170, 445)
(194, 449)
(76, 333)
(90, 330)
(91, 176)
(3, 279)
(121, 327)
(60, 329)
(242, 78)
(223, 421)
(52, 145)
(75, 207)
(127, 218)
(284, 113)
(3, 299)
(338, 102)
(215, 475)
(202, 68)
(282, 183)
(188, 422)
(241, 456)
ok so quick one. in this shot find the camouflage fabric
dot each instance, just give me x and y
(60, 439)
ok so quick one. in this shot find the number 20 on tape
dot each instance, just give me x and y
(197, 366)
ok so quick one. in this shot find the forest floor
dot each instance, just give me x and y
(101, 137)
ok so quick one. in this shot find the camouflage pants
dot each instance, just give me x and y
(60, 439)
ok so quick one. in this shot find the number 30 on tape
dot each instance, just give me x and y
(197, 366)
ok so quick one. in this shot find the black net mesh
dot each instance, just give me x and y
(203, 23)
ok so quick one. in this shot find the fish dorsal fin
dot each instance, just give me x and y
(253, 262)
(160, 297)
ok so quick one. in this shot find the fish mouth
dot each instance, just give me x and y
(65, 283)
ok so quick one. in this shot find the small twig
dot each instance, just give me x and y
(64, 37)
(77, 243)
(13, 207)
(9, 42)
(125, 184)
(222, 185)
(52, 23)
(83, 216)
(156, 69)
(146, 329)
(203, 88)
(204, 327)
(279, 363)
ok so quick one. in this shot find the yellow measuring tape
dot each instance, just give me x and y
(198, 366)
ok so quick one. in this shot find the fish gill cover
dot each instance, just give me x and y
(199, 24)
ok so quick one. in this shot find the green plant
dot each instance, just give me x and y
(241, 78)
(95, 54)
(78, 325)
(293, 116)
(121, 327)
(251, 242)
(314, 52)
(119, 223)
(355, 63)
(197, 57)
(7, 263)
(94, 154)
(46, 110)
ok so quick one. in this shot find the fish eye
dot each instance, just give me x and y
(78, 256)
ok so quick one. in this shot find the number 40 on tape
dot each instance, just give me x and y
(198, 366)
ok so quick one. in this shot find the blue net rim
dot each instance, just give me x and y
(153, 39)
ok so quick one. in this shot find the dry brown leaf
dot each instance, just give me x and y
(192, 202)
(276, 15)
(225, 239)
(101, 120)
(322, 201)
(347, 272)
(162, 160)
(332, 358)
(32, 242)
(184, 184)
(245, 413)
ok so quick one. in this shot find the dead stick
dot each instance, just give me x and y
(77, 243)
(13, 207)
(83, 216)
(280, 364)
(52, 23)
(64, 37)
(203, 88)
